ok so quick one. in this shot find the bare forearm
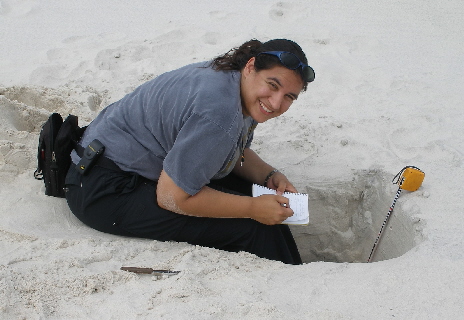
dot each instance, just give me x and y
(211, 203)
(216, 204)
(206, 203)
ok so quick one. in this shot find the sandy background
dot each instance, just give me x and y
(388, 93)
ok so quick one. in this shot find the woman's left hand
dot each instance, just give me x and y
(279, 182)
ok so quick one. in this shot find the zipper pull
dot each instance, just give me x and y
(54, 165)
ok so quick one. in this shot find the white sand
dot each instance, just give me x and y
(388, 93)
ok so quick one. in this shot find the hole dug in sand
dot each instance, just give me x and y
(346, 217)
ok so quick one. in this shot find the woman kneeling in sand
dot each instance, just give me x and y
(177, 155)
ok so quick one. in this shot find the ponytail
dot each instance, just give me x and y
(237, 58)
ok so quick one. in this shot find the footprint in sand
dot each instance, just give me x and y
(281, 10)
(17, 116)
(211, 38)
(15, 157)
(19, 126)
(415, 143)
(18, 8)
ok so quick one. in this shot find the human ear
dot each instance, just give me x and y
(250, 66)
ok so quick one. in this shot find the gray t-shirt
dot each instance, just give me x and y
(188, 122)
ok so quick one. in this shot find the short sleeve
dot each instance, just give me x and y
(199, 152)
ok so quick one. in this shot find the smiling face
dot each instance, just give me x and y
(267, 94)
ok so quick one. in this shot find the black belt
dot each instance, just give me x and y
(102, 160)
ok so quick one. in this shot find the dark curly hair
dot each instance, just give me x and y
(237, 58)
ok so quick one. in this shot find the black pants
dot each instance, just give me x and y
(125, 204)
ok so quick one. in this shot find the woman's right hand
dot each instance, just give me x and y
(270, 209)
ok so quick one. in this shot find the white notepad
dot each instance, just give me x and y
(298, 203)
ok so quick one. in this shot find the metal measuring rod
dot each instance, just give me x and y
(409, 178)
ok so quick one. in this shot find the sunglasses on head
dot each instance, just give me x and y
(292, 62)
